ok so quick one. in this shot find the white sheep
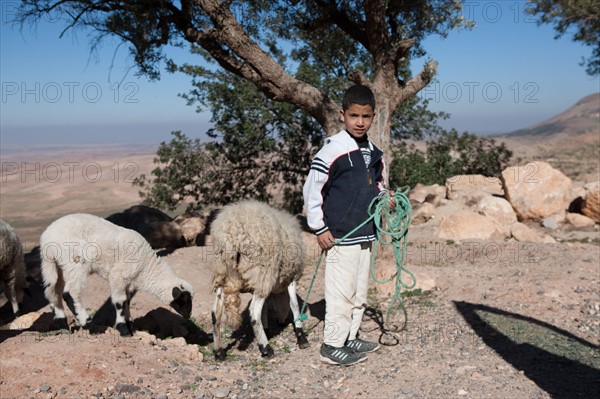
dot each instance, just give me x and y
(259, 250)
(77, 245)
(12, 266)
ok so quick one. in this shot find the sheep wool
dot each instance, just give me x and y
(12, 266)
(78, 245)
(259, 250)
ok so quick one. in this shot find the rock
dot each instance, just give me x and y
(522, 233)
(37, 321)
(432, 194)
(384, 270)
(536, 190)
(222, 392)
(498, 209)
(126, 388)
(176, 342)
(194, 354)
(422, 213)
(591, 205)
(579, 221)
(469, 225)
(146, 337)
(552, 222)
(472, 187)
(418, 193)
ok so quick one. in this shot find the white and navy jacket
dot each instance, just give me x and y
(340, 187)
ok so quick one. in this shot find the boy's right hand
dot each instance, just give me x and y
(326, 240)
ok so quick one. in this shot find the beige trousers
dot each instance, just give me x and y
(346, 286)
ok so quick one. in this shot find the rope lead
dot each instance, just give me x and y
(391, 228)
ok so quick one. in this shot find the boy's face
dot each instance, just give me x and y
(358, 119)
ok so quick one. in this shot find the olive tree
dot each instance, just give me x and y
(369, 42)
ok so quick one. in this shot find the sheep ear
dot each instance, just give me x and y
(176, 293)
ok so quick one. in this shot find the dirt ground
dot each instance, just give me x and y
(506, 320)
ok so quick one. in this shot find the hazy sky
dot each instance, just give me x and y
(505, 74)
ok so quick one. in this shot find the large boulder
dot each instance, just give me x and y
(472, 187)
(591, 204)
(522, 233)
(422, 213)
(433, 194)
(497, 208)
(469, 225)
(536, 190)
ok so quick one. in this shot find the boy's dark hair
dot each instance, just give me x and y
(358, 94)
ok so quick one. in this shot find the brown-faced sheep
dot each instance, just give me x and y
(259, 250)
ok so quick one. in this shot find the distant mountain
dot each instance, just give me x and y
(569, 141)
(581, 118)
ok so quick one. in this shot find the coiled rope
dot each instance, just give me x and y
(391, 228)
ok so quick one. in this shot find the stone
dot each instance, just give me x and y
(553, 222)
(536, 190)
(579, 221)
(472, 187)
(497, 208)
(591, 205)
(36, 321)
(522, 233)
(432, 194)
(422, 213)
(469, 225)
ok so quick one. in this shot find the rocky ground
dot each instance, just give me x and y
(505, 320)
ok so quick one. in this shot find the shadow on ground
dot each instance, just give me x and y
(559, 362)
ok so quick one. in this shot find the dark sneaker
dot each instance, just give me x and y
(341, 356)
(361, 346)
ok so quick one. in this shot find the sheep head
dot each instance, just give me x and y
(182, 301)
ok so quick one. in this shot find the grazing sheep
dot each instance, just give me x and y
(12, 267)
(259, 250)
(77, 245)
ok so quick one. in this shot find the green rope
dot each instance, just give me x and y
(391, 228)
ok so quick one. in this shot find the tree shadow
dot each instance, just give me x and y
(562, 364)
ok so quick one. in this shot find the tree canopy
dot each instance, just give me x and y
(580, 17)
(366, 41)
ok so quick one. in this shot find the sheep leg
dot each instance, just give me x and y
(11, 293)
(72, 297)
(298, 330)
(217, 319)
(256, 307)
(120, 299)
(127, 312)
(52, 292)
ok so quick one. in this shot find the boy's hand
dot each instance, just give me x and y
(326, 240)
(391, 201)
